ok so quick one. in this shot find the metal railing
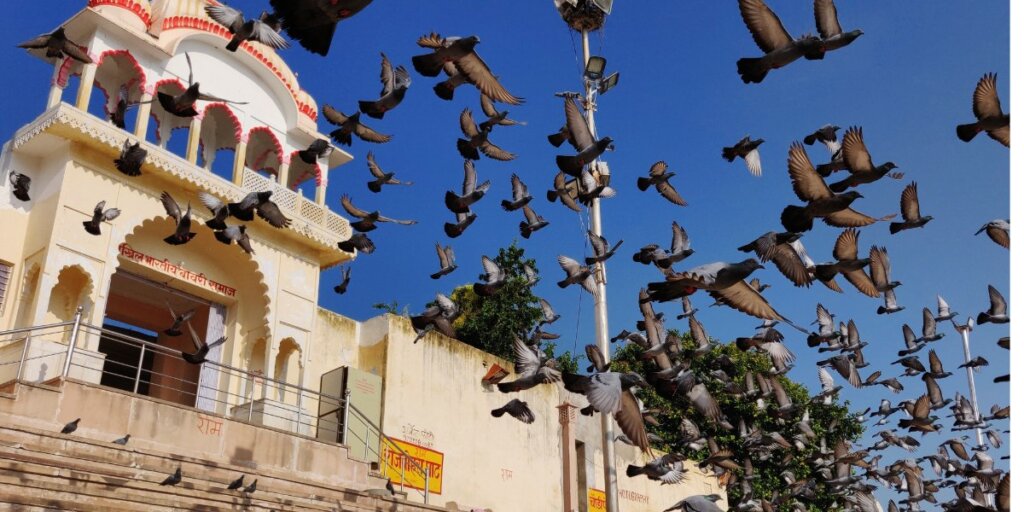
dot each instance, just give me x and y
(139, 366)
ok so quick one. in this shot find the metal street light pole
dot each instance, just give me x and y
(601, 305)
(965, 337)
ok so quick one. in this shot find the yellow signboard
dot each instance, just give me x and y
(393, 461)
(595, 500)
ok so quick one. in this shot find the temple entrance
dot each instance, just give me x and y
(141, 309)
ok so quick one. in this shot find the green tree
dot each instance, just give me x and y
(830, 422)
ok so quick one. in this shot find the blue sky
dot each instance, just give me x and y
(908, 82)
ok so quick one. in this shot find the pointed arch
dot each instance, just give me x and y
(117, 70)
(299, 171)
(264, 152)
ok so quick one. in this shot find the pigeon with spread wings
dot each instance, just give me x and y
(263, 30)
(989, 113)
(380, 178)
(477, 140)
(312, 22)
(350, 125)
(461, 53)
(579, 135)
(772, 38)
(395, 81)
(58, 46)
(368, 220)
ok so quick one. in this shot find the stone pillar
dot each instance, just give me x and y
(282, 173)
(238, 171)
(56, 88)
(321, 190)
(192, 149)
(570, 480)
(145, 109)
(85, 86)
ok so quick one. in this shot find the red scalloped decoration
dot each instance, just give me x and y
(277, 144)
(231, 115)
(64, 74)
(132, 6)
(317, 173)
(140, 73)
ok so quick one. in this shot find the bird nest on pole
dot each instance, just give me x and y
(585, 16)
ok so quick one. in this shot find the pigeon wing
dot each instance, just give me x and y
(579, 132)
(855, 153)
(850, 218)
(346, 203)
(480, 75)
(370, 135)
(375, 169)
(986, 100)
(909, 206)
(496, 153)
(269, 212)
(669, 192)
(231, 18)
(826, 19)
(333, 116)
(468, 125)
(807, 183)
(171, 206)
(742, 297)
(764, 25)
(631, 421)
(997, 301)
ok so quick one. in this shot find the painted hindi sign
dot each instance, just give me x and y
(179, 271)
(595, 500)
(394, 461)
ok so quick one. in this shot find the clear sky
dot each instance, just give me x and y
(907, 81)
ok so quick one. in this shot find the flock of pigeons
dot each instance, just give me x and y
(974, 478)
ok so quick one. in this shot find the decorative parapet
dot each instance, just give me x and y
(140, 8)
(315, 222)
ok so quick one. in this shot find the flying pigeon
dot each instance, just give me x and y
(471, 192)
(495, 117)
(602, 252)
(312, 22)
(380, 178)
(131, 159)
(911, 211)
(358, 242)
(461, 53)
(58, 46)
(609, 392)
(437, 317)
(697, 503)
(991, 118)
(928, 329)
(520, 195)
(235, 234)
(99, 215)
(532, 224)
(680, 250)
(582, 139)
(368, 220)
(747, 150)
(858, 162)
(184, 104)
(827, 21)
(852, 267)
(446, 258)
(821, 201)
(183, 222)
(996, 313)
(577, 274)
(317, 149)
(590, 189)
(178, 320)
(477, 140)
(998, 230)
(566, 191)
(257, 203)
(944, 311)
(395, 81)
(350, 125)
(20, 184)
(778, 248)
(263, 30)
(462, 222)
(516, 408)
(117, 115)
(494, 276)
(771, 37)
(202, 347)
(659, 178)
(532, 369)
(827, 136)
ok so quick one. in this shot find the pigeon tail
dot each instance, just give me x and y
(499, 412)
(752, 70)
(967, 132)
(841, 186)
(571, 165)
(341, 137)
(796, 220)
(729, 154)
(557, 139)
(525, 231)
(507, 387)
(216, 224)
(809, 140)
(467, 150)
(984, 318)
(444, 91)
(167, 102)
(451, 230)
(896, 227)
(222, 238)
(643, 183)
(427, 65)
(632, 470)
(176, 240)
(234, 44)
(93, 228)
(453, 203)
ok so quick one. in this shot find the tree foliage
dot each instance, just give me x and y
(830, 422)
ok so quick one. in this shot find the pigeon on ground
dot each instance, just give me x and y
(827, 136)
(532, 369)
(532, 224)
(20, 184)
(461, 53)
(350, 125)
(577, 274)
(368, 220)
(477, 140)
(821, 201)
(494, 278)
(131, 159)
(358, 242)
(380, 178)
(991, 118)
(771, 37)
(910, 209)
(202, 347)
(264, 30)
(826, 19)
(520, 195)
(346, 278)
(446, 258)
(237, 483)
(395, 81)
(659, 178)
(858, 162)
(582, 139)
(996, 313)
(58, 46)
(602, 252)
(312, 22)
(174, 479)
(251, 488)
(100, 214)
(184, 104)
(182, 221)
(998, 230)
(609, 392)
(235, 234)
(493, 116)
(471, 192)
(122, 440)
(517, 409)
(462, 222)
(178, 320)
(747, 150)
(317, 149)
(70, 426)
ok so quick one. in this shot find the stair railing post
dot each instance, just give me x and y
(24, 354)
(72, 342)
(252, 394)
(138, 370)
(344, 426)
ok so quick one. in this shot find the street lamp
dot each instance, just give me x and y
(595, 68)
(606, 84)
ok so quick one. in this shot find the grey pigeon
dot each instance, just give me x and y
(494, 276)
(944, 312)
(858, 162)
(446, 259)
(996, 312)
(358, 242)
(346, 278)
(316, 150)
(312, 22)
(910, 209)
(771, 37)
(747, 150)
(667, 469)
(201, 346)
(174, 479)
(349, 125)
(520, 195)
(680, 250)
(184, 104)
(251, 488)
(582, 139)
(609, 392)
(821, 201)
(462, 222)
(928, 329)
(989, 113)
(131, 159)
(437, 317)
(263, 30)
(778, 248)
(182, 221)
(577, 274)
(590, 189)
(395, 82)
(532, 224)
(477, 140)
(697, 503)
(368, 220)
(122, 440)
(219, 210)
(827, 136)
(71, 426)
(532, 369)
(827, 21)
(976, 362)
(58, 46)
(998, 230)
(852, 267)
(688, 309)
(20, 184)
(471, 192)
(100, 214)
(257, 203)
(516, 408)
(237, 483)
(493, 116)
(235, 234)
(566, 191)
(548, 315)
(460, 52)
(178, 320)
(659, 177)
(380, 178)
(602, 252)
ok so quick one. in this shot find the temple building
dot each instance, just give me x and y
(323, 410)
